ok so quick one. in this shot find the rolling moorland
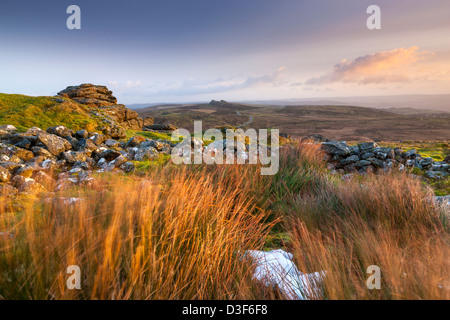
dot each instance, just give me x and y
(90, 187)
(350, 123)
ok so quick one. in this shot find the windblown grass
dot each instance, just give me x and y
(385, 220)
(178, 233)
(171, 235)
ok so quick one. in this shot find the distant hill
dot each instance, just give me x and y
(419, 102)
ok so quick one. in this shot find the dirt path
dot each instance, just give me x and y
(248, 122)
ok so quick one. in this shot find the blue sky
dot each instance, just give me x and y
(198, 50)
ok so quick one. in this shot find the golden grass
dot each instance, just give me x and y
(387, 220)
(178, 233)
(171, 235)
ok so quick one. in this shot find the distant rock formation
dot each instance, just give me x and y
(165, 127)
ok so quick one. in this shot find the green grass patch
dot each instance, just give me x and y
(25, 112)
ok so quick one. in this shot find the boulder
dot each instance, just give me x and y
(73, 156)
(336, 148)
(349, 160)
(447, 159)
(60, 131)
(160, 127)
(6, 189)
(54, 144)
(377, 163)
(426, 162)
(152, 143)
(25, 171)
(98, 138)
(367, 155)
(109, 155)
(146, 154)
(31, 187)
(4, 135)
(363, 163)
(148, 121)
(128, 166)
(5, 175)
(367, 146)
(9, 128)
(134, 141)
(82, 134)
(409, 154)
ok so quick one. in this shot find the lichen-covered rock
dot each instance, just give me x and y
(25, 171)
(146, 154)
(73, 156)
(336, 148)
(160, 127)
(5, 175)
(9, 128)
(89, 94)
(60, 131)
(128, 167)
(31, 187)
(82, 134)
(134, 141)
(149, 121)
(6, 189)
(54, 144)
(98, 138)
(367, 146)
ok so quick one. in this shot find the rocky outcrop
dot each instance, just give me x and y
(89, 94)
(369, 157)
(40, 161)
(117, 116)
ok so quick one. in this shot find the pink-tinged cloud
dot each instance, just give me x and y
(398, 65)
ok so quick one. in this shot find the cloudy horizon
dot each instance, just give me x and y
(198, 50)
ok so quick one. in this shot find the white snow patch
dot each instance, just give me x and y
(276, 268)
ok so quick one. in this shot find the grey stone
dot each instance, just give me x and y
(336, 148)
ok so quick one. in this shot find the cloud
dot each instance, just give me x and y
(124, 85)
(398, 65)
(219, 85)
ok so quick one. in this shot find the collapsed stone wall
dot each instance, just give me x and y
(369, 157)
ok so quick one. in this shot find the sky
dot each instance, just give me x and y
(197, 50)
